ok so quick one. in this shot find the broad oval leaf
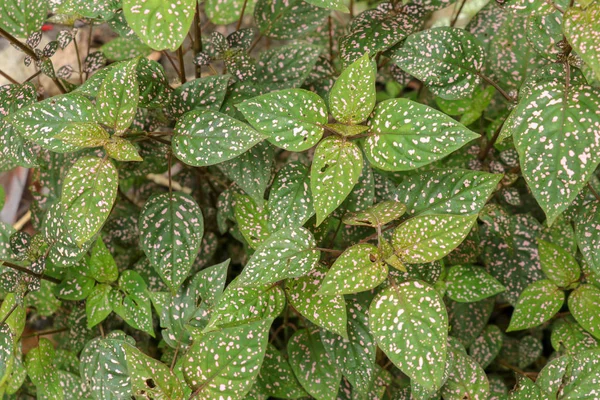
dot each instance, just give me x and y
(487, 346)
(407, 135)
(209, 137)
(171, 228)
(410, 324)
(468, 283)
(582, 29)
(336, 167)
(537, 304)
(449, 60)
(279, 19)
(584, 303)
(288, 253)
(428, 238)
(88, 193)
(466, 379)
(160, 24)
(293, 119)
(558, 264)
(118, 97)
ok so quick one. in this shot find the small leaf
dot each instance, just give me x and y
(352, 96)
(487, 346)
(428, 238)
(87, 134)
(171, 228)
(207, 138)
(376, 216)
(280, 19)
(537, 304)
(118, 97)
(285, 254)
(468, 283)
(122, 149)
(253, 221)
(88, 193)
(408, 135)
(97, 305)
(336, 167)
(359, 268)
(558, 265)
(277, 378)
(132, 302)
(293, 119)
(41, 370)
(584, 303)
(101, 264)
(410, 324)
(466, 378)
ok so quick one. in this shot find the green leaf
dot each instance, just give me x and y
(280, 19)
(359, 268)
(88, 193)
(226, 363)
(21, 18)
(449, 60)
(253, 221)
(551, 376)
(292, 119)
(75, 286)
(468, 283)
(558, 264)
(225, 12)
(428, 238)
(313, 367)
(336, 167)
(326, 311)
(582, 30)
(80, 136)
(277, 378)
(7, 349)
(452, 191)
(13, 313)
(150, 377)
(161, 25)
(553, 131)
(376, 216)
(290, 199)
(585, 373)
(347, 130)
(103, 367)
(352, 96)
(526, 389)
(40, 368)
(101, 264)
(338, 5)
(171, 228)
(410, 324)
(208, 138)
(122, 149)
(203, 94)
(407, 135)
(285, 254)
(487, 346)
(287, 66)
(124, 48)
(466, 378)
(132, 301)
(245, 305)
(42, 121)
(587, 233)
(97, 305)
(537, 304)
(568, 335)
(583, 304)
(118, 97)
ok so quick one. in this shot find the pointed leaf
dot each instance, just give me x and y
(468, 283)
(537, 304)
(583, 304)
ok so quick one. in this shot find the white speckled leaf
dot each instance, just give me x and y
(568, 335)
(441, 191)
(408, 135)
(7, 350)
(352, 96)
(244, 305)
(468, 283)
(122, 149)
(132, 301)
(536, 305)
(410, 325)
(338, 5)
(487, 346)
(584, 376)
(468, 320)
(584, 303)
(42, 121)
(293, 119)
(118, 97)
(97, 305)
(277, 378)
(82, 135)
(466, 380)
(224, 12)
(171, 228)
(378, 215)
(203, 94)
(160, 24)
(287, 19)
(525, 389)
(21, 18)
(285, 254)
(226, 363)
(252, 220)
(207, 138)
(582, 30)
(41, 370)
(428, 238)
(550, 378)
(313, 367)
(556, 131)
(359, 268)
(287, 66)
(290, 199)
(558, 264)
(587, 234)
(88, 193)
(447, 59)
(149, 377)
(326, 311)
(336, 167)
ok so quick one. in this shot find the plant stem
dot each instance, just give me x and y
(198, 39)
(7, 316)
(330, 25)
(332, 251)
(260, 36)
(78, 60)
(181, 64)
(485, 151)
(497, 87)
(8, 77)
(29, 272)
(239, 24)
(44, 333)
(594, 192)
(172, 62)
(455, 17)
(32, 76)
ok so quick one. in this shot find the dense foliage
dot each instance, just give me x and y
(371, 201)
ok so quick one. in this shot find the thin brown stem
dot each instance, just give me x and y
(33, 76)
(78, 59)
(455, 17)
(497, 87)
(197, 39)
(44, 333)
(29, 272)
(239, 24)
(181, 65)
(594, 192)
(8, 77)
(490, 144)
(330, 26)
(169, 172)
(175, 357)
(26, 49)
(171, 62)
(7, 316)
(260, 36)
(331, 251)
